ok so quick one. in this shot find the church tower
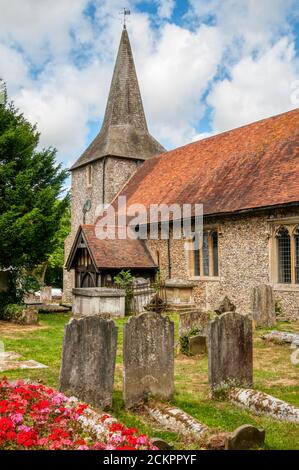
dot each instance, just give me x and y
(121, 146)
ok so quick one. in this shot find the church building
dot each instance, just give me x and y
(247, 180)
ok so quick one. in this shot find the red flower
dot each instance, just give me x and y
(11, 435)
(125, 448)
(27, 438)
(57, 434)
(6, 424)
(129, 431)
(116, 427)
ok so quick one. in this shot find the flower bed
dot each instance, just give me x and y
(38, 417)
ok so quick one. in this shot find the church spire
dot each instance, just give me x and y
(124, 131)
(124, 106)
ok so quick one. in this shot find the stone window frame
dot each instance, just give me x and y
(190, 256)
(291, 224)
(89, 175)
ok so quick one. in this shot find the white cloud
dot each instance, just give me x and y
(255, 22)
(42, 28)
(258, 87)
(13, 68)
(63, 103)
(165, 8)
(174, 76)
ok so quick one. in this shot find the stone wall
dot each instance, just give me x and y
(244, 262)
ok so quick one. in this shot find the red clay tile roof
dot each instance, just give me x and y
(117, 253)
(250, 167)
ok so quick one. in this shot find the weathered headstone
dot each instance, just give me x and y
(245, 437)
(88, 359)
(263, 306)
(230, 351)
(195, 319)
(225, 306)
(46, 295)
(197, 345)
(148, 354)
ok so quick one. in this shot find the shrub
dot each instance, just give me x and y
(12, 312)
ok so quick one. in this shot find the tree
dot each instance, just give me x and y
(31, 197)
(53, 269)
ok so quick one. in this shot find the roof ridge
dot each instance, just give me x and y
(221, 134)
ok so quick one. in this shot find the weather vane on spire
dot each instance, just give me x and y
(125, 12)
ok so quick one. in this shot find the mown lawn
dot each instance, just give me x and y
(273, 373)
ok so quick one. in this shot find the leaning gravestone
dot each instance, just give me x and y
(263, 308)
(88, 360)
(230, 351)
(148, 352)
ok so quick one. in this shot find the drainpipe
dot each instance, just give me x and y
(169, 257)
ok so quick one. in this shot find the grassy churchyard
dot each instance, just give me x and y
(273, 373)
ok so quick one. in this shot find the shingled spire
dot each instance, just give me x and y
(124, 131)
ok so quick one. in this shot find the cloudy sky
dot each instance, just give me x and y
(204, 66)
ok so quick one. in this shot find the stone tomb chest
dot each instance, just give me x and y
(98, 300)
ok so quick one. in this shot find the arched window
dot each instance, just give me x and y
(205, 258)
(284, 256)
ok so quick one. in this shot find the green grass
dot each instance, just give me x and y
(273, 373)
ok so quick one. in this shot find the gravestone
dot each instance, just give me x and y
(148, 355)
(88, 360)
(245, 437)
(197, 345)
(263, 308)
(230, 351)
(225, 306)
(193, 320)
(46, 295)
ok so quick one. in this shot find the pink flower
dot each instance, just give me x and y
(58, 398)
(16, 418)
(83, 447)
(117, 438)
(43, 441)
(24, 428)
(142, 440)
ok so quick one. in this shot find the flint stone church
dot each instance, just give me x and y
(247, 180)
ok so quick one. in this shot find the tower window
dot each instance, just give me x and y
(89, 175)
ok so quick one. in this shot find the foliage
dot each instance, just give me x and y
(184, 341)
(38, 417)
(12, 312)
(278, 308)
(55, 263)
(124, 280)
(31, 202)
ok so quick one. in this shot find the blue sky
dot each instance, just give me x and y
(204, 66)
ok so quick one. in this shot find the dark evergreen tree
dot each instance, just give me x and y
(32, 202)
